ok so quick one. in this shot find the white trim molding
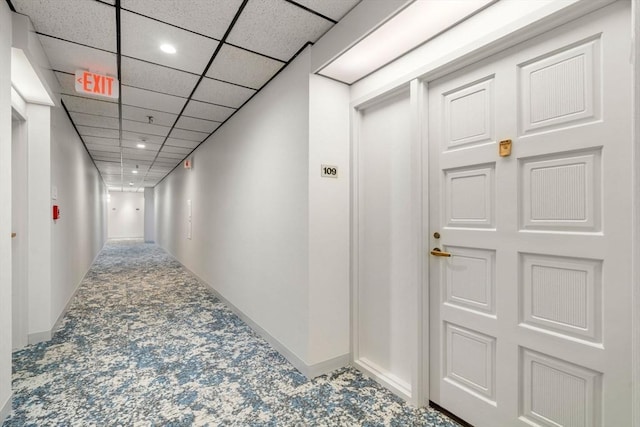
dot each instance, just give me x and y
(309, 371)
(37, 337)
(635, 313)
(413, 391)
(5, 409)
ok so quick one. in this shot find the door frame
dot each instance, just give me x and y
(418, 82)
(19, 309)
(635, 243)
(413, 396)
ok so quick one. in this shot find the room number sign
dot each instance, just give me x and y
(328, 171)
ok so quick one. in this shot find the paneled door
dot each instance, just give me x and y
(530, 316)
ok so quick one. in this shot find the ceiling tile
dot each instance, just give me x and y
(69, 57)
(188, 134)
(164, 164)
(101, 141)
(239, 66)
(149, 146)
(142, 115)
(182, 143)
(81, 119)
(167, 155)
(105, 165)
(142, 37)
(154, 100)
(199, 125)
(133, 154)
(222, 93)
(67, 84)
(93, 131)
(334, 9)
(155, 77)
(208, 17)
(145, 128)
(276, 28)
(177, 150)
(160, 169)
(91, 106)
(81, 21)
(102, 155)
(107, 148)
(207, 111)
(142, 138)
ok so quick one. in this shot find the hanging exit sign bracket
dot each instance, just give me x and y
(96, 84)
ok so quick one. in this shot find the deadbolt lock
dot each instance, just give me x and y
(436, 235)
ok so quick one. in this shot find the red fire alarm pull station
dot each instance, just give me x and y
(56, 212)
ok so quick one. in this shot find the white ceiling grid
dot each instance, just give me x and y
(227, 50)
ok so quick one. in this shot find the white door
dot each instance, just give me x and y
(530, 318)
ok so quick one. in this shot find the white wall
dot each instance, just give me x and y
(269, 234)
(328, 220)
(59, 252)
(39, 223)
(5, 214)
(80, 233)
(149, 215)
(126, 215)
(249, 190)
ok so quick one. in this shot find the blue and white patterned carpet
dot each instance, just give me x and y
(145, 344)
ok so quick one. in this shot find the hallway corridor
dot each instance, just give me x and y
(144, 343)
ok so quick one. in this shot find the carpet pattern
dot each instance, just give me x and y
(146, 344)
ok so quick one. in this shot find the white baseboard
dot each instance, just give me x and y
(327, 366)
(37, 337)
(400, 388)
(309, 371)
(5, 410)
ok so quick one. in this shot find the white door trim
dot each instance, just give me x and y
(635, 245)
(356, 359)
(466, 56)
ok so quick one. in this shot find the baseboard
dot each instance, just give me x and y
(309, 371)
(5, 410)
(37, 337)
(396, 385)
(327, 366)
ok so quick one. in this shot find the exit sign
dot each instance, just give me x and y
(96, 84)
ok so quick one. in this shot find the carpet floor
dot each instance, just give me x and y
(144, 343)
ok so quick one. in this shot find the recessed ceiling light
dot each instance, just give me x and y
(131, 183)
(140, 145)
(167, 48)
(134, 171)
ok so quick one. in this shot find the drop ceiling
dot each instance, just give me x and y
(227, 50)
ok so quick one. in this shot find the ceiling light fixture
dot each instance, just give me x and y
(167, 48)
(131, 183)
(134, 171)
(140, 145)
(414, 25)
